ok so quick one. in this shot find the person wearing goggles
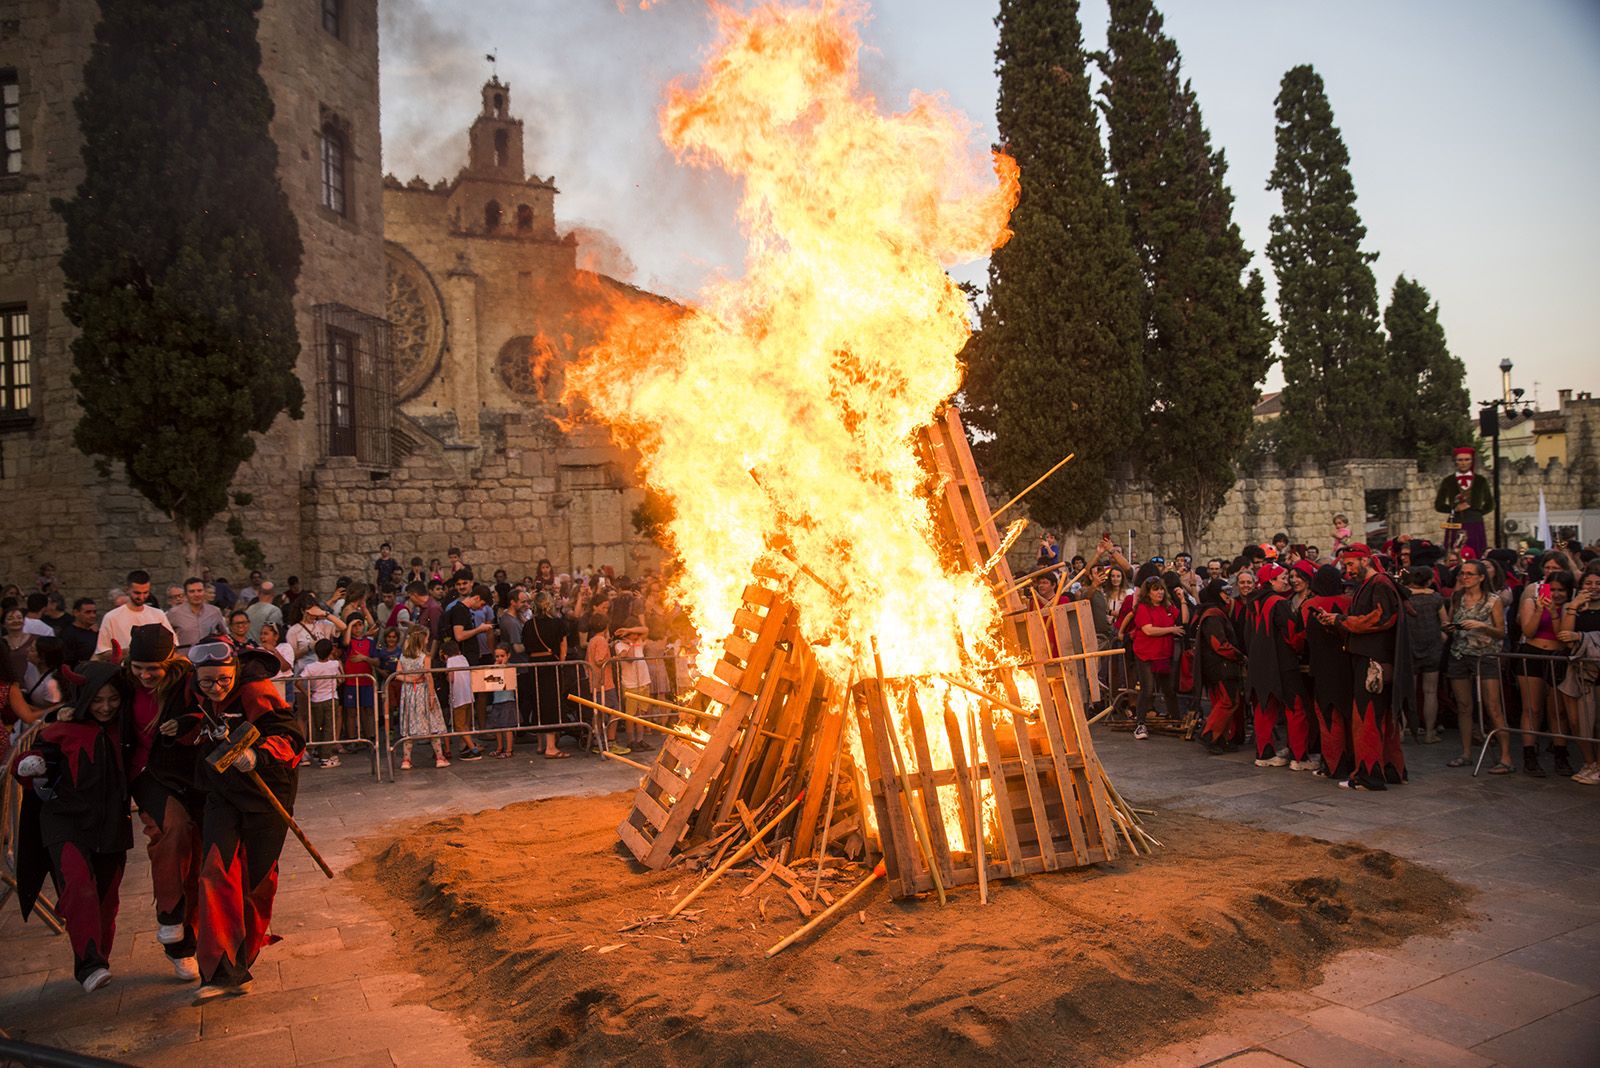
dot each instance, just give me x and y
(241, 836)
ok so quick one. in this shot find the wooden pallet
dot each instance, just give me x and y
(962, 518)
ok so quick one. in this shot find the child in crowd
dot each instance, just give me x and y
(1341, 532)
(460, 676)
(503, 705)
(319, 681)
(74, 819)
(634, 670)
(359, 693)
(598, 658)
(419, 705)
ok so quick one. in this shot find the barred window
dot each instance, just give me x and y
(333, 16)
(11, 100)
(16, 362)
(341, 392)
(333, 176)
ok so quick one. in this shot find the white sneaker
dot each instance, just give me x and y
(185, 968)
(1272, 762)
(1589, 776)
(169, 934)
(1141, 732)
(96, 979)
(1313, 764)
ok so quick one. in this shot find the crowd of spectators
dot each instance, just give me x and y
(426, 635)
(1267, 641)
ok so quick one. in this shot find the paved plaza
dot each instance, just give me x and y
(1519, 985)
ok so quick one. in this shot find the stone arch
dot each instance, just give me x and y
(524, 219)
(491, 216)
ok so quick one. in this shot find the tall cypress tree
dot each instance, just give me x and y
(1434, 417)
(1055, 367)
(1208, 343)
(1338, 400)
(181, 254)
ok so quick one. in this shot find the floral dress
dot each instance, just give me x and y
(419, 705)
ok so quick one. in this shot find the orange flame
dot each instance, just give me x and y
(782, 411)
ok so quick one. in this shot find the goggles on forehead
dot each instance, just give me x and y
(213, 654)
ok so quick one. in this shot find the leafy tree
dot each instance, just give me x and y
(1338, 399)
(1207, 341)
(1055, 367)
(1434, 417)
(181, 255)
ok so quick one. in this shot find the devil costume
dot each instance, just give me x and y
(74, 822)
(161, 777)
(1465, 498)
(1331, 695)
(1220, 666)
(1274, 676)
(1380, 677)
(241, 835)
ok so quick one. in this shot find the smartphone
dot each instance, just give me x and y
(1543, 592)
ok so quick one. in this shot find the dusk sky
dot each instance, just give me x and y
(1473, 129)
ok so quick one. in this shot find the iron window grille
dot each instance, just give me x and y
(333, 170)
(355, 384)
(11, 102)
(16, 363)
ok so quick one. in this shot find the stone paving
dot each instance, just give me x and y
(1518, 986)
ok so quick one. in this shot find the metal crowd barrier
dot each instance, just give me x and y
(1490, 732)
(299, 696)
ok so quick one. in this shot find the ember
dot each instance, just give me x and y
(882, 688)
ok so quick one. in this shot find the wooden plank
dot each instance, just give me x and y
(1030, 776)
(730, 673)
(961, 776)
(1064, 783)
(637, 843)
(738, 646)
(650, 810)
(1092, 774)
(746, 620)
(830, 736)
(897, 839)
(671, 786)
(1002, 795)
(716, 689)
(709, 764)
(922, 775)
(764, 596)
(752, 735)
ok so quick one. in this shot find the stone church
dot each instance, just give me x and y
(434, 318)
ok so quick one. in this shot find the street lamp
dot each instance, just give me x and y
(1489, 427)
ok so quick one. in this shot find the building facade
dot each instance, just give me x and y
(431, 362)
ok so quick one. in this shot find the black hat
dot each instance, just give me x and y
(1211, 592)
(151, 643)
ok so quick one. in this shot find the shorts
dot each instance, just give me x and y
(503, 716)
(1423, 665)
(1473, 667)
(365, 697)
(1551, 671)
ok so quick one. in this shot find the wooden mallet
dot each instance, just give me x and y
(227, 754)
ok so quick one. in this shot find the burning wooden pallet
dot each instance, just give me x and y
(1012, 791)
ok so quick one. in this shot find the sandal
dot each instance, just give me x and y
(1457, 762)
(558, 755)
(1501, 768)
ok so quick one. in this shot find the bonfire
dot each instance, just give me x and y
(880, 689)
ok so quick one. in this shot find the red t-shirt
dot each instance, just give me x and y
(358, 667)
(1155, 650)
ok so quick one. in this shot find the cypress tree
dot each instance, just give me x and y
(1434, 417)
(1055, 368)
(1338, 400)
(181, 255)
(1207, 341)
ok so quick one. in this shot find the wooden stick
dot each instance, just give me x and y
(919, 819)
(691, 739)
(1013, 532)
(833, 792)
(609, 755)
(993, 700)
(998, 512)
(977, 809)
(855, 892)
(1030, 576)
(738, 855)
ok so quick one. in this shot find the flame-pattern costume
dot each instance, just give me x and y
(161, 776)
(241, 836)
(1221, 664)
(1274, 677)
(74, 821)
(1374, 635)
(1331, 695)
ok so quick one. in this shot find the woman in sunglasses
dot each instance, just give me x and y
(240, 834)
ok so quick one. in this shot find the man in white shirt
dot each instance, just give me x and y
(194, 620)
(116, 626)
(33, 609)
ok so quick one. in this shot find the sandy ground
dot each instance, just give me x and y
(516, 914)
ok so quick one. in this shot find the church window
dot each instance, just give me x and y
(524, 218)
(333, 16)
(11, 100)
(16, 363)
(333, 171)
(502, 148)
(341, 392)
(491, 216)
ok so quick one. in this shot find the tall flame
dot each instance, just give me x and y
(779, 415)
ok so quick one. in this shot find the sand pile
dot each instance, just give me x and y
(518, 913)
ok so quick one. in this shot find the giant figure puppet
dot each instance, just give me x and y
(1465, 498)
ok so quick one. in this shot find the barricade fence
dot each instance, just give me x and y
(327, 723)
(1556, 665)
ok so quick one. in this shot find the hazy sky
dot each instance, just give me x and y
(1473, 128)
